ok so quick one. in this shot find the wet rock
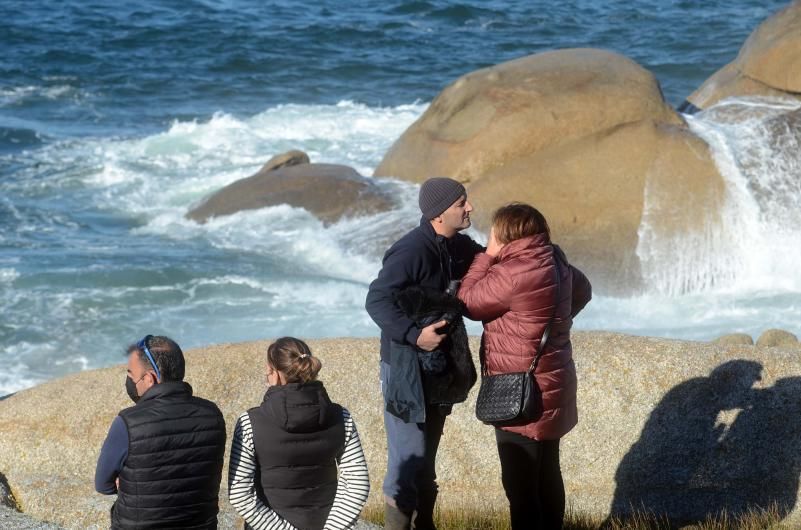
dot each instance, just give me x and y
(329, 191)
(290, 158)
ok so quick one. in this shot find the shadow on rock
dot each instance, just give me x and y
(716, 444)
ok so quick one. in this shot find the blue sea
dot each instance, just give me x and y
(117, 117)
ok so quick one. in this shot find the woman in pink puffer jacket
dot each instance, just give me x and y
(512, 288)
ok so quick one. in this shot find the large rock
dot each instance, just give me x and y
(778, 338)
(329, 191)
(584, 135)
(676, 426)
(769, 63)
(496, 115)
(735, 339)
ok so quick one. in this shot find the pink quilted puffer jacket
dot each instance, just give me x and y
(514, 294)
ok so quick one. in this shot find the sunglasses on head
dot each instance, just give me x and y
(142, 345)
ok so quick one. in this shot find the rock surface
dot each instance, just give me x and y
(733, 339)
(584, 135)
(290, 158)
(777, 338)
(693, 411)
(498, 114)
(769, 63)
(329, 191)
(11, 519)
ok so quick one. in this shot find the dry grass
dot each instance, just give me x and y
(495, 519)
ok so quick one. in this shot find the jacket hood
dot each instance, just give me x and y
(299, 407)
(536, 244)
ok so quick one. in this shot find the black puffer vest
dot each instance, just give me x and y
(298, 434)
(171, 478)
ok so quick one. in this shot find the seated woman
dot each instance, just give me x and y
(296, 459)
(513, 288)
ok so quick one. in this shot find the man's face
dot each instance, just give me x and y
(456, 217)
(142, 375)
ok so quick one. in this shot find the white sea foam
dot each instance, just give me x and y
(8, 275)
(15, 95)
(699, 316)
(21, 366)
(159, 178)
(754, 243)
(190, 160)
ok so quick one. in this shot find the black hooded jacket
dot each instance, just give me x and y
(298, 434)
(427, 261)
(420, 258)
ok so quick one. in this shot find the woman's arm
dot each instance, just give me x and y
(486, 290)
(241, 481)
(582, 291)
(354, 482)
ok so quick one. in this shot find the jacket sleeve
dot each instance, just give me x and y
(241, 481)
(112, 457)
(486, 289)
(582, 291)
(353, 484)
(397, 272)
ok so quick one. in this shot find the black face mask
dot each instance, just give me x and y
(130, 386)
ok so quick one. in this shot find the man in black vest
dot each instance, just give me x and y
(430, 256)
(163, 457)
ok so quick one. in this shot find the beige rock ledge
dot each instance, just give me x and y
(679, 426)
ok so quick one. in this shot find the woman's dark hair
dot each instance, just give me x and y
(518, 220)
(293, 358)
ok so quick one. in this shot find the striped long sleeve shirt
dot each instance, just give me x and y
(353, 483)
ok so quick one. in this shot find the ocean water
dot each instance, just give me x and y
(115, 119)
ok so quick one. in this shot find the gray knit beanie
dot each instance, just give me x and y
(437, 194)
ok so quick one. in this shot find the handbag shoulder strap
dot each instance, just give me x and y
(547, 332)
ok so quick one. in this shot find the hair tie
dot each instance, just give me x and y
(303, 355)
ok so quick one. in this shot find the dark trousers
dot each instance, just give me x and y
(532, 480)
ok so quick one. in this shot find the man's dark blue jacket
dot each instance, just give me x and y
(421, 257)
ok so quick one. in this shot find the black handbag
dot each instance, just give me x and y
(514, 398)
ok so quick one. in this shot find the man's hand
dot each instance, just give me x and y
(429, 339)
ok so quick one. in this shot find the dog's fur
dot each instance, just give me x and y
(426, 306)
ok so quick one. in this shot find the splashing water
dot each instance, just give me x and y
(754, 242)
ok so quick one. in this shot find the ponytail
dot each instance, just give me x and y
(293, 358)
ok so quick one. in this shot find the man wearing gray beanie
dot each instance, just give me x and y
(430, 256)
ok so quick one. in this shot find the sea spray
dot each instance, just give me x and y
(753, 241)
(102, 252)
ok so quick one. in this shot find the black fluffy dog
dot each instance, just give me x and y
(448, 373)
